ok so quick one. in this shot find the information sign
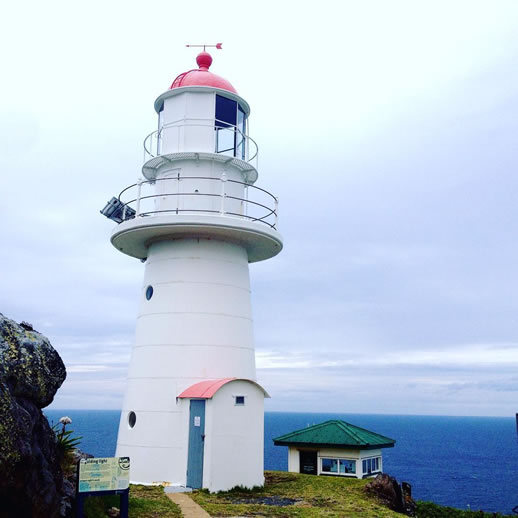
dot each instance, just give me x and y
(103, 474)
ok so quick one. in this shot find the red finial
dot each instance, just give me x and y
(202, 76)
(204, 60)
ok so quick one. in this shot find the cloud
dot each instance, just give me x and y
(395, 171)
(74, 368)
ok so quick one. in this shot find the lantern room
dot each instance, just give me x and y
(201, 111)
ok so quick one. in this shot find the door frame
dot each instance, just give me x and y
(308, 452)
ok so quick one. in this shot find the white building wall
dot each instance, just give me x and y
(339, 453)
(196, 326)
(155, 458)
(365, 454)
(293, 460)
(234, 438)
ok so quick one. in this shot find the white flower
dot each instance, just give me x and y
(65, 420)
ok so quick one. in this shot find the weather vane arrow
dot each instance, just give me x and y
(218, 46)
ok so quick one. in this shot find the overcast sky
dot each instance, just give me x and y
(387, 129)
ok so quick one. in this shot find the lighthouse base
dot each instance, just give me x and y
(220, 446)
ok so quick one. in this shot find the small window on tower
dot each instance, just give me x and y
(240, 400)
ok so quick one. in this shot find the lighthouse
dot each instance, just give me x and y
(193, 412)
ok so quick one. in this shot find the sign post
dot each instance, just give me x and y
(103, 476)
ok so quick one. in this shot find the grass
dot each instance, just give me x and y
(431, 510)
(314, 496)
(144, 502)
(295, 495)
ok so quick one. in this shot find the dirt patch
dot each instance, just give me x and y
(277, 477)
(322, 501)
(276, 501)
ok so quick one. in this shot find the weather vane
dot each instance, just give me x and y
(219, 46)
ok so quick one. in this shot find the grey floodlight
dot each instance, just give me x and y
(117, 211)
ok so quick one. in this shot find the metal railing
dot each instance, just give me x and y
(245, 148)
(222, 199)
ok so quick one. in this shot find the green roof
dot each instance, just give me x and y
(335, 434)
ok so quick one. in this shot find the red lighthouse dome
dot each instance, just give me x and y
(202, 76)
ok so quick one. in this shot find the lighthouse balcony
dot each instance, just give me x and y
(198, 195)
(195, 137)
(182, 206)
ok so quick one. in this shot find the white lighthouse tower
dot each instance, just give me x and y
(193, 413)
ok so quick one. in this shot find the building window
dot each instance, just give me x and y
(329, 465)
(132, 419)
(347, 466)
(240, 400)
(371, 465)
(338, 466)
(149, 292)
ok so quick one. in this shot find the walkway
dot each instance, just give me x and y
(189, 508)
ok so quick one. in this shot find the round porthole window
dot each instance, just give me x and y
(149, 292)
(132, 419)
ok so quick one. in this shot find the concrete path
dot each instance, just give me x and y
(189, 508)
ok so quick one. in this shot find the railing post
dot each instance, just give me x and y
(124, 212)
(139, 193)
(276, 212)
(223, 193)
(177, 192)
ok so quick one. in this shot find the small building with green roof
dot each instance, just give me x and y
(335, 448)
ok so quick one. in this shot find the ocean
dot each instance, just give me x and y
(463, 462)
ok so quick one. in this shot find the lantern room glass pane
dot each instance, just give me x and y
(225, 125)
(240, 134)
(159, 134)
(226, 112)
(226, 141)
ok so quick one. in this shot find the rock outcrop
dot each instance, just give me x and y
(31, 371)
(390, 493)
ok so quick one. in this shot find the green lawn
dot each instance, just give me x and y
(144, 502)
(285, 495)
(311, 496)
